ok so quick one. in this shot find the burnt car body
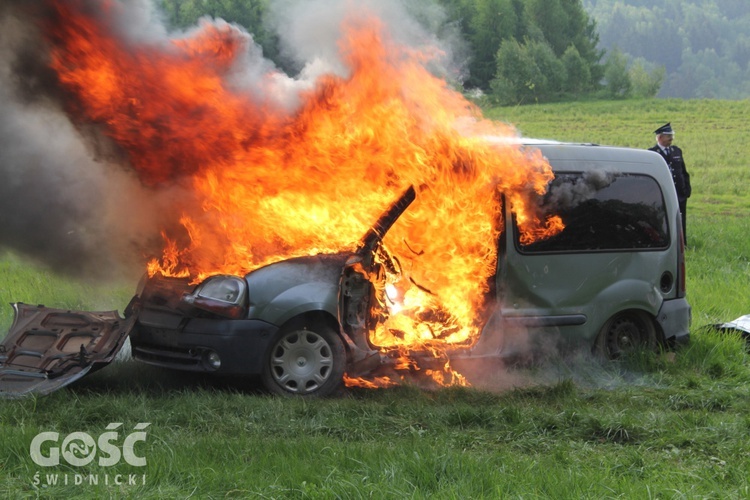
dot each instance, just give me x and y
(300, 324)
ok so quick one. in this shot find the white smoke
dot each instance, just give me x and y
(310, 32)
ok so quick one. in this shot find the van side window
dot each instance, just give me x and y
(603, 211)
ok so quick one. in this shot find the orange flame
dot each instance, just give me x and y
(374, 383)
(268, 184)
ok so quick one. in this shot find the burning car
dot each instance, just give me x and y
(246, 192)
(612, 280)
(299, 323)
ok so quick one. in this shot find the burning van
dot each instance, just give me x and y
(261, 184)
(614, 278)
(611, 280)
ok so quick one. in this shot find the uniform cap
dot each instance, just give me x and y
(664, 129)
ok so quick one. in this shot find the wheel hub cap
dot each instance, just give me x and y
(301, 362)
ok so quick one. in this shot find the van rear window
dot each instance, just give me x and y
(603, 211)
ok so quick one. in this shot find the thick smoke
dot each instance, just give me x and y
(69, 198)
(566, 195)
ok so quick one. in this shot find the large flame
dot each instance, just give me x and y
(268, 184)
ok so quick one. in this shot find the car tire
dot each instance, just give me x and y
(624, 333)
(305, 362)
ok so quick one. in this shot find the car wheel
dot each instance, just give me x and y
(625, 333)
(305, 363)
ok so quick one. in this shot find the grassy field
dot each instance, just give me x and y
(673, 425)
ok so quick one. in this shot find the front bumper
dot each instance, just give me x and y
(241, 345)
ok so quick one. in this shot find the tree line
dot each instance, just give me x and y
(702, 46)
(524, 51)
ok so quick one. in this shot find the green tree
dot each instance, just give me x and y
(492, 22)
(528, 72)
(551, 19)
(702, 44)
(553, 24)
(577, 72)
(617, 80)
(552, 79)
(645, 82)
(517, 74)
(564, 23)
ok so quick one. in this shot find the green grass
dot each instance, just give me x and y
(22, 281)
(660, 435)
(670, 425)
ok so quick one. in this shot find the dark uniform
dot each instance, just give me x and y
(673, 156)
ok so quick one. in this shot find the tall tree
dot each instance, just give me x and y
(577, 71)
(493, 21)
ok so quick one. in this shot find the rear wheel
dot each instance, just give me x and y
(305, 362)
(626, 332)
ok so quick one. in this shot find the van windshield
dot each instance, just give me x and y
(603, 211)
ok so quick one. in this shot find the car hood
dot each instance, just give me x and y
(48, 348)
